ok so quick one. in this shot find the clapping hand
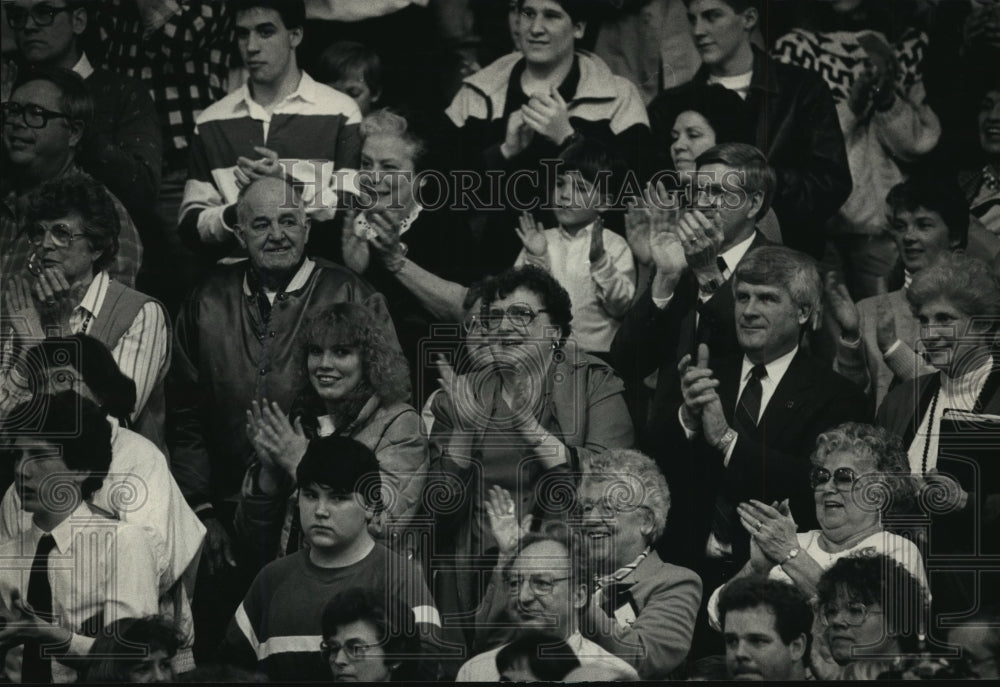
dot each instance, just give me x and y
(248, 170)
(842, 306)
(702, 239)
(518, 136)
(275, 439)
(467, 409)
(885, 327)
(772, 528)
(502, 513)
(547, 114)
(637, 226)
(666, 249)
(698, 385)
(597, 241)
(21, 310)
(532, 235)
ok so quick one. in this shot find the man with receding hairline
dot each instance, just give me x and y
(235, 343)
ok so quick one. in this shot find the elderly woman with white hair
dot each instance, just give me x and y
(643, 609)
(403, 238)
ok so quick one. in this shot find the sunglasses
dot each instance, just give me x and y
(843, 478)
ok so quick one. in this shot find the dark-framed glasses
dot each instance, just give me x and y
(352, 648)
(42, 15)
(539, 584)
(843, 478)
(62, 235)
(853, 613)
(521, 315)
(33, 116)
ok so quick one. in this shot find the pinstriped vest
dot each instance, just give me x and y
(119, 310)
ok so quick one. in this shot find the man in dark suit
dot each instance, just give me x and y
(786, 111)
(752, 419)
(690, 298)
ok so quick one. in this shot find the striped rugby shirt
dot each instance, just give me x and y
(315, 131)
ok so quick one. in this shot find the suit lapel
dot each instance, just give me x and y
(789, 395)
(728, 372)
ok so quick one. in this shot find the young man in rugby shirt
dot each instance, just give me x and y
(281, 123)
(277, 628)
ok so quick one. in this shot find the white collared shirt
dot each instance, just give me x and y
(297, 282)
(141, 352)
(957, 394)
(83, 66)
(739, 84)
(98, 566)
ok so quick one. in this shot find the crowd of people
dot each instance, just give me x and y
(499, 340)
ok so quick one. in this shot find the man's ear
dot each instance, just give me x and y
(78, 20)
(76, 129)
(797, 648)
(756, 203)
(750, 19)
(579, 28)
(238, 230)
(295, 36)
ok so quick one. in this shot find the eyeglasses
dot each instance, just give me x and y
(33, 116)
(352, 648)
(607, 507)
(520, 315)
(42, 15)
(61, 234)
(843, 478)
(538, 584)
(854, 613)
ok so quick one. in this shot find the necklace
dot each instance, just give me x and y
(930, 428)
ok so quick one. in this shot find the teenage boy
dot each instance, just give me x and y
(786, 111)
(593, 264)
(74, 570)
(277, 627)
(280, 123)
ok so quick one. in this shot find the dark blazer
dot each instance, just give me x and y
(651, 339)
(790, 115)
(770, 464)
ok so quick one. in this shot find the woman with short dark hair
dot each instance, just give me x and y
(520, 419)
(134, 650)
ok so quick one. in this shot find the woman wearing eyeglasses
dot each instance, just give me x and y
(355, 384)
(858, 473)
(369, 638)
(872, 614)
(520, 421)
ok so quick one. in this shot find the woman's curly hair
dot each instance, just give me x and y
(353, 325)
(883, 448)
(80, 194)
(554, 297)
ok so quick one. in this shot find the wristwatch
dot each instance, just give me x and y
(729, 437)
(791, 554)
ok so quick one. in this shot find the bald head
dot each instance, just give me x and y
(272, 226)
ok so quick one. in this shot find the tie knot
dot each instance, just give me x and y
(758, 372)
(46, 544)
